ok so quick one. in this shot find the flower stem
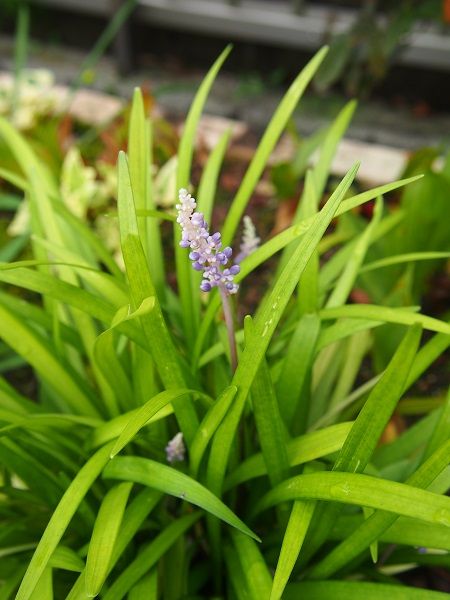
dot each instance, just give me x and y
(229, 322)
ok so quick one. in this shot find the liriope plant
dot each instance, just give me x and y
(170, 451)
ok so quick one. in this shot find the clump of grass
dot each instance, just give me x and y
(148, 467)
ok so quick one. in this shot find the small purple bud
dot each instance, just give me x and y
(194, 255)
(228, 252)
(198, 220)
(205, 286)
(175, 449)
(197, 266)
(184, 244)
(235, 269)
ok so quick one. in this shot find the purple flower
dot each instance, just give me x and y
(206, 253)
(175, 449)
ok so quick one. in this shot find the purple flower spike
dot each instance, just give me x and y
(206, 255)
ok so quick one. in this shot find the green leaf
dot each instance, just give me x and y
(139, 150)
(308, 285)
(256, 573)
(11, 400)
(65, 558)
(373, 527)
(270, 138)
(30, 470)
(333, 67)
(442, 429)
(155, 329)
(316, 179)
(99, 282)
(427, 355)
(114, 427)
(346, 281)
(342, 329)
(173, 482)
(236, 574)
(135, 514)
(139, 158)
(384, 314)
(146, 588)
(149, 556)
(376, 412)
(266, 322)
(12, 249)
(370, 424)
(355, 590)
(142, 416)
(190, 302)
(300, 517)
(44, 586)
(39, 353)
(119, 387)
(402, 258)
(292, 384)
(84, 232)
(362, 490)
(404, 531)
(14, 179)
(208, 427)
(104, 537)
(303, 449)
(269, 424)
(60, 520)
(278, 242)
(208, 183)
(26, 158)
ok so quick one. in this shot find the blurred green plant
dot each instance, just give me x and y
(123, 363)
(416, 241)
(360, 58)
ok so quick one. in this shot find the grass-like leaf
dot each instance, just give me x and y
(281, 240)
(209, 425)
(299, 519)
(60, 519)
(208, 183)
(175, 483)
(139, 150)
(370, 424)
(362, 490)
(189, 302)
(149, 556)
(104, 537)
(264, 327)
(292, 383)
(267, 144)
(159, 340)
(42, 356)
(355, 590)
(379, 522)
(254, 568)
(141, 417)
(386, 315)
(300, 450)
(271, 430)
